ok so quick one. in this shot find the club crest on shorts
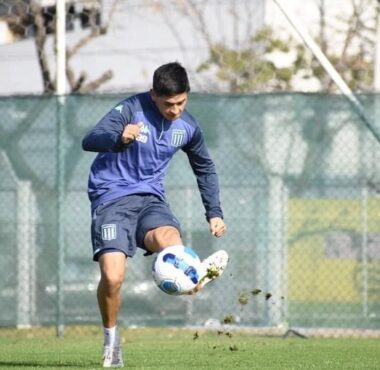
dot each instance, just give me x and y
(177, 137)
(109, 232)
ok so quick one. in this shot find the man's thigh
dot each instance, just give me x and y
(156, 215)
(114, 226)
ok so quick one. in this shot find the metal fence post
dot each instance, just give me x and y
(60, 91)
(26, 246)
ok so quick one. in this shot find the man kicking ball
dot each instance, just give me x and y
(135, 142)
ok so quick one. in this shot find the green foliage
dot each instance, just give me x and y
(251, 67)
(248, 68)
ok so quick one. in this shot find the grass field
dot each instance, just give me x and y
(162, 348)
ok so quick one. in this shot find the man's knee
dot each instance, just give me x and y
(161, 237)
(112, 281)
(112, 270)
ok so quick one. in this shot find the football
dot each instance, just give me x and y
(177, 270)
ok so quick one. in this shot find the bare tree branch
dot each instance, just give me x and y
(41, 29)
(70, 76)
(40, 40)
(201, 24)
(93, 85)
(79, 83)
(96, 32)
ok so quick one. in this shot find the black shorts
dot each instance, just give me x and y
(121, 224)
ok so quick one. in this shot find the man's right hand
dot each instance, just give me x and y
(131, 132)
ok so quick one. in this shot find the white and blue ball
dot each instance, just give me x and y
(177, 270)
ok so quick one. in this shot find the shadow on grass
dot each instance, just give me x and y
(52, 365)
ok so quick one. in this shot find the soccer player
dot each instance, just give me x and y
(135, 141)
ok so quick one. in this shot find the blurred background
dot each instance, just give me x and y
(287, 94)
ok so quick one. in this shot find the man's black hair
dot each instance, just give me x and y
(170, 79)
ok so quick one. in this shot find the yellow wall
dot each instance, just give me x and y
(313, 276)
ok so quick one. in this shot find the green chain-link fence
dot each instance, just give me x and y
(300, 184)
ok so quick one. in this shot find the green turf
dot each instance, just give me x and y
(187, 349)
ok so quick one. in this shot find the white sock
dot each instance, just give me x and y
(111, 336)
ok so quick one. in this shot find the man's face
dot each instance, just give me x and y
(171, 107)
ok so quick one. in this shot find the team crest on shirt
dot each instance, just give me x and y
(109, 232)
(177, 137)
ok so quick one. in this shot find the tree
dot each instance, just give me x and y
(354, 59)
(252, 60)
(37, 21)
(251, 68)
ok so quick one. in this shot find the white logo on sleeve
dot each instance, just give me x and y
(177, 137)
(109, 232)
(119, 108)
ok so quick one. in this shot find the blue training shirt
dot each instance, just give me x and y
(140, 167)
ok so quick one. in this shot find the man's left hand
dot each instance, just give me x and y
(217, 226)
